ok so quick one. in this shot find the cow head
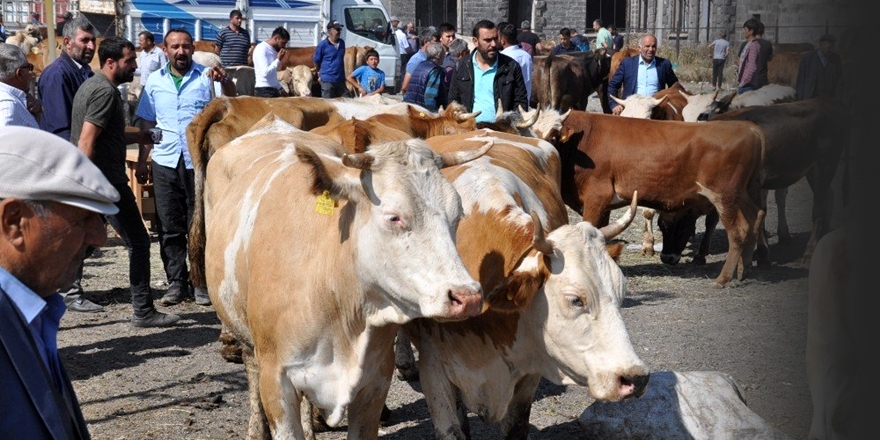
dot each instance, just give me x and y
(703, 107)
(639, 106)
(569, 290)
(405, 245)
(677, 228)
(297, 80)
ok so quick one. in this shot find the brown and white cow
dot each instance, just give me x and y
(297, 80)
(802, 139)
(565, 81)
(314, 258)
(553, 300)
(672, 165)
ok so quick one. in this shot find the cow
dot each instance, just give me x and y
(563, 82)
(205, 46)
(616, 59)
(782, 69)
(554, 297)
(324, 331)
(355, 56)
(298, 80)
(672, 165)
(207, 59)
(356, 135)
(244, 79)
(703, 106)
(421, 124)
(26, 38)
(802, 139)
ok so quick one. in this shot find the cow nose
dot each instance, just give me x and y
(703, 117)
(670, 259)
(465, 301)
(633, 386)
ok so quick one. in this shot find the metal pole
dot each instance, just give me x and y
(49, 7)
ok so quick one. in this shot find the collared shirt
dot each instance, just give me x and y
(603, 35)
(56, 87)
(648, 84)
(149, 62)
(173, 110)
(402, 42)
(266, 66)
(234, 46)
(13, 108)
(484, 90)
(415, 60)
(525, 62)
(42, 316)
(329, 60)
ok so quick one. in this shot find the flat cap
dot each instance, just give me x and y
(36, 165)
(393, 18)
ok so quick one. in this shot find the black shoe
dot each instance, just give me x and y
(202, 297)
(155, 319)
(175, 294)
(80, 304)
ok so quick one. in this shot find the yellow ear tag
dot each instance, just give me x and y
(422, 114)
(324, 204)
(510, 296)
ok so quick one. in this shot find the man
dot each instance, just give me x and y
(565, 45)
(603, 36)
(644, 74)
(428, 88)
(150, 58)
(720, 50)
(425, 36)
(532, 41)
(328, 59)
(754, 55)
(579, 41)
(171, 98)
(487, 76)
(233, 42)
(46, 225)
(99, 130)
(267, 56)
(819, 71)
(16, 106)
(446, 34)
(56, 87)
(616, 39)
(507, 35)
(402, 44)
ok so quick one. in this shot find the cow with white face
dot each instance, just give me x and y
(553, 300)
(313, 258)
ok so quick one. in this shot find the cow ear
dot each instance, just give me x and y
(615, 250)
(330, 177)
(515, 294)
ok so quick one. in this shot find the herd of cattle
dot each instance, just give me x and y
(325, 229)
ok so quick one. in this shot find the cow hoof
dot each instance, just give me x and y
(648, 252)
(230, 350)
(699, 260)
(408, 373)
(318, 422)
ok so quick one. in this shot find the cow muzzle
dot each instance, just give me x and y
(464, 302)
(633, 386)
(670, 259)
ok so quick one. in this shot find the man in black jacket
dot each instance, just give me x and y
(487, 76)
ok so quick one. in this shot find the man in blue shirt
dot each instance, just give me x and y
(643, 74)
(329, 62)
(48, 223)
(428, 88)
(171, 98)
(425, 37)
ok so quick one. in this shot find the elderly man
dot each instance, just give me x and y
(51, 201)
(643, 74)
(16, 106)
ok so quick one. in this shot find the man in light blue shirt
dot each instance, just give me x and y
(425, 37)
(170, 100)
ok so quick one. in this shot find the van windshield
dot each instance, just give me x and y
(369, 23)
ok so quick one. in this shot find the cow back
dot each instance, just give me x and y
(783, 68)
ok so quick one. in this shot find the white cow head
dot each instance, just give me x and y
(638, 106)
(297, 80)
(405, 256)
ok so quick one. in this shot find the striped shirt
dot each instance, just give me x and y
(13, 108)
(234, 46)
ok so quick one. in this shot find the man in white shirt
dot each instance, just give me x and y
(402, 47)
(15, 76)
(150, 58)
(507, 35)
(267, 56)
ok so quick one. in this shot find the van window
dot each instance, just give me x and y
(369, 23)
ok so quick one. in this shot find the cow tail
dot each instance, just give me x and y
(200, 151)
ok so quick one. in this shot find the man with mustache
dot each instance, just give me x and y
(56, 87)
(172, 96)
(98, 128)
(487, 76)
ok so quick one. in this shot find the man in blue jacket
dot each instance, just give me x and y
(328, 58)
(643, 74)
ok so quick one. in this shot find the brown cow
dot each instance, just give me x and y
(672, 165)
(565, 81)
(782, 69)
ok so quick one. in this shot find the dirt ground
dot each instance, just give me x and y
(172, 384)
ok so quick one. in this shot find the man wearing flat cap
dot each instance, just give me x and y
(819, 71)
(328, 59)
(52, 198)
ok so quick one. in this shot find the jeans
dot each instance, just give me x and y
(718, 71)
(174, 194)
(334, 90)
(129, 224)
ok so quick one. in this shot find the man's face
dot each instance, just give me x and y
(747, 32)
(648, 47)
(144, 43)
(278, 43)
(57, 244)
(825, 47)
(179, 50)
(487, 44)
(595, 26)
(564, 39)
(82, 47)
(125, 67)
(394, 24)
(446, 38)
(235, 22)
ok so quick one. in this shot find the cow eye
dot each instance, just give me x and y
(574, 301)
(394, 220)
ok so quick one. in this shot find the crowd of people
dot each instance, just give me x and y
(55, 201)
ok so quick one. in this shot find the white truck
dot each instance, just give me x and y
(365, 22)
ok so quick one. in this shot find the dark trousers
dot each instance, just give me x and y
(174, 194)
(334, 90)
(718, 71)
(267, 92)
(129, 224)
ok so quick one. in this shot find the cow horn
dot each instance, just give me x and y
(617, 100)
(362, 161)
(564, 115)
(462, 117)
(715, 95)
(622, 223)
(531, 121)
(539, 240)
(460, 157)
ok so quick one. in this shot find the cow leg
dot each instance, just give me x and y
(441, 396)
(258, 425)
(763, 251)
(281, 412)
(365, 410)
(711, 222)
(648, 235)
(404, 359)
(741, 217)
(515, 425)
(782, 228)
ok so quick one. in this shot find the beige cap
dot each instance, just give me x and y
(36, 165)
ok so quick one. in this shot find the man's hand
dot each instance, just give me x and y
(217, 73)
(142, 172)
(282, 53)
(616, 110)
